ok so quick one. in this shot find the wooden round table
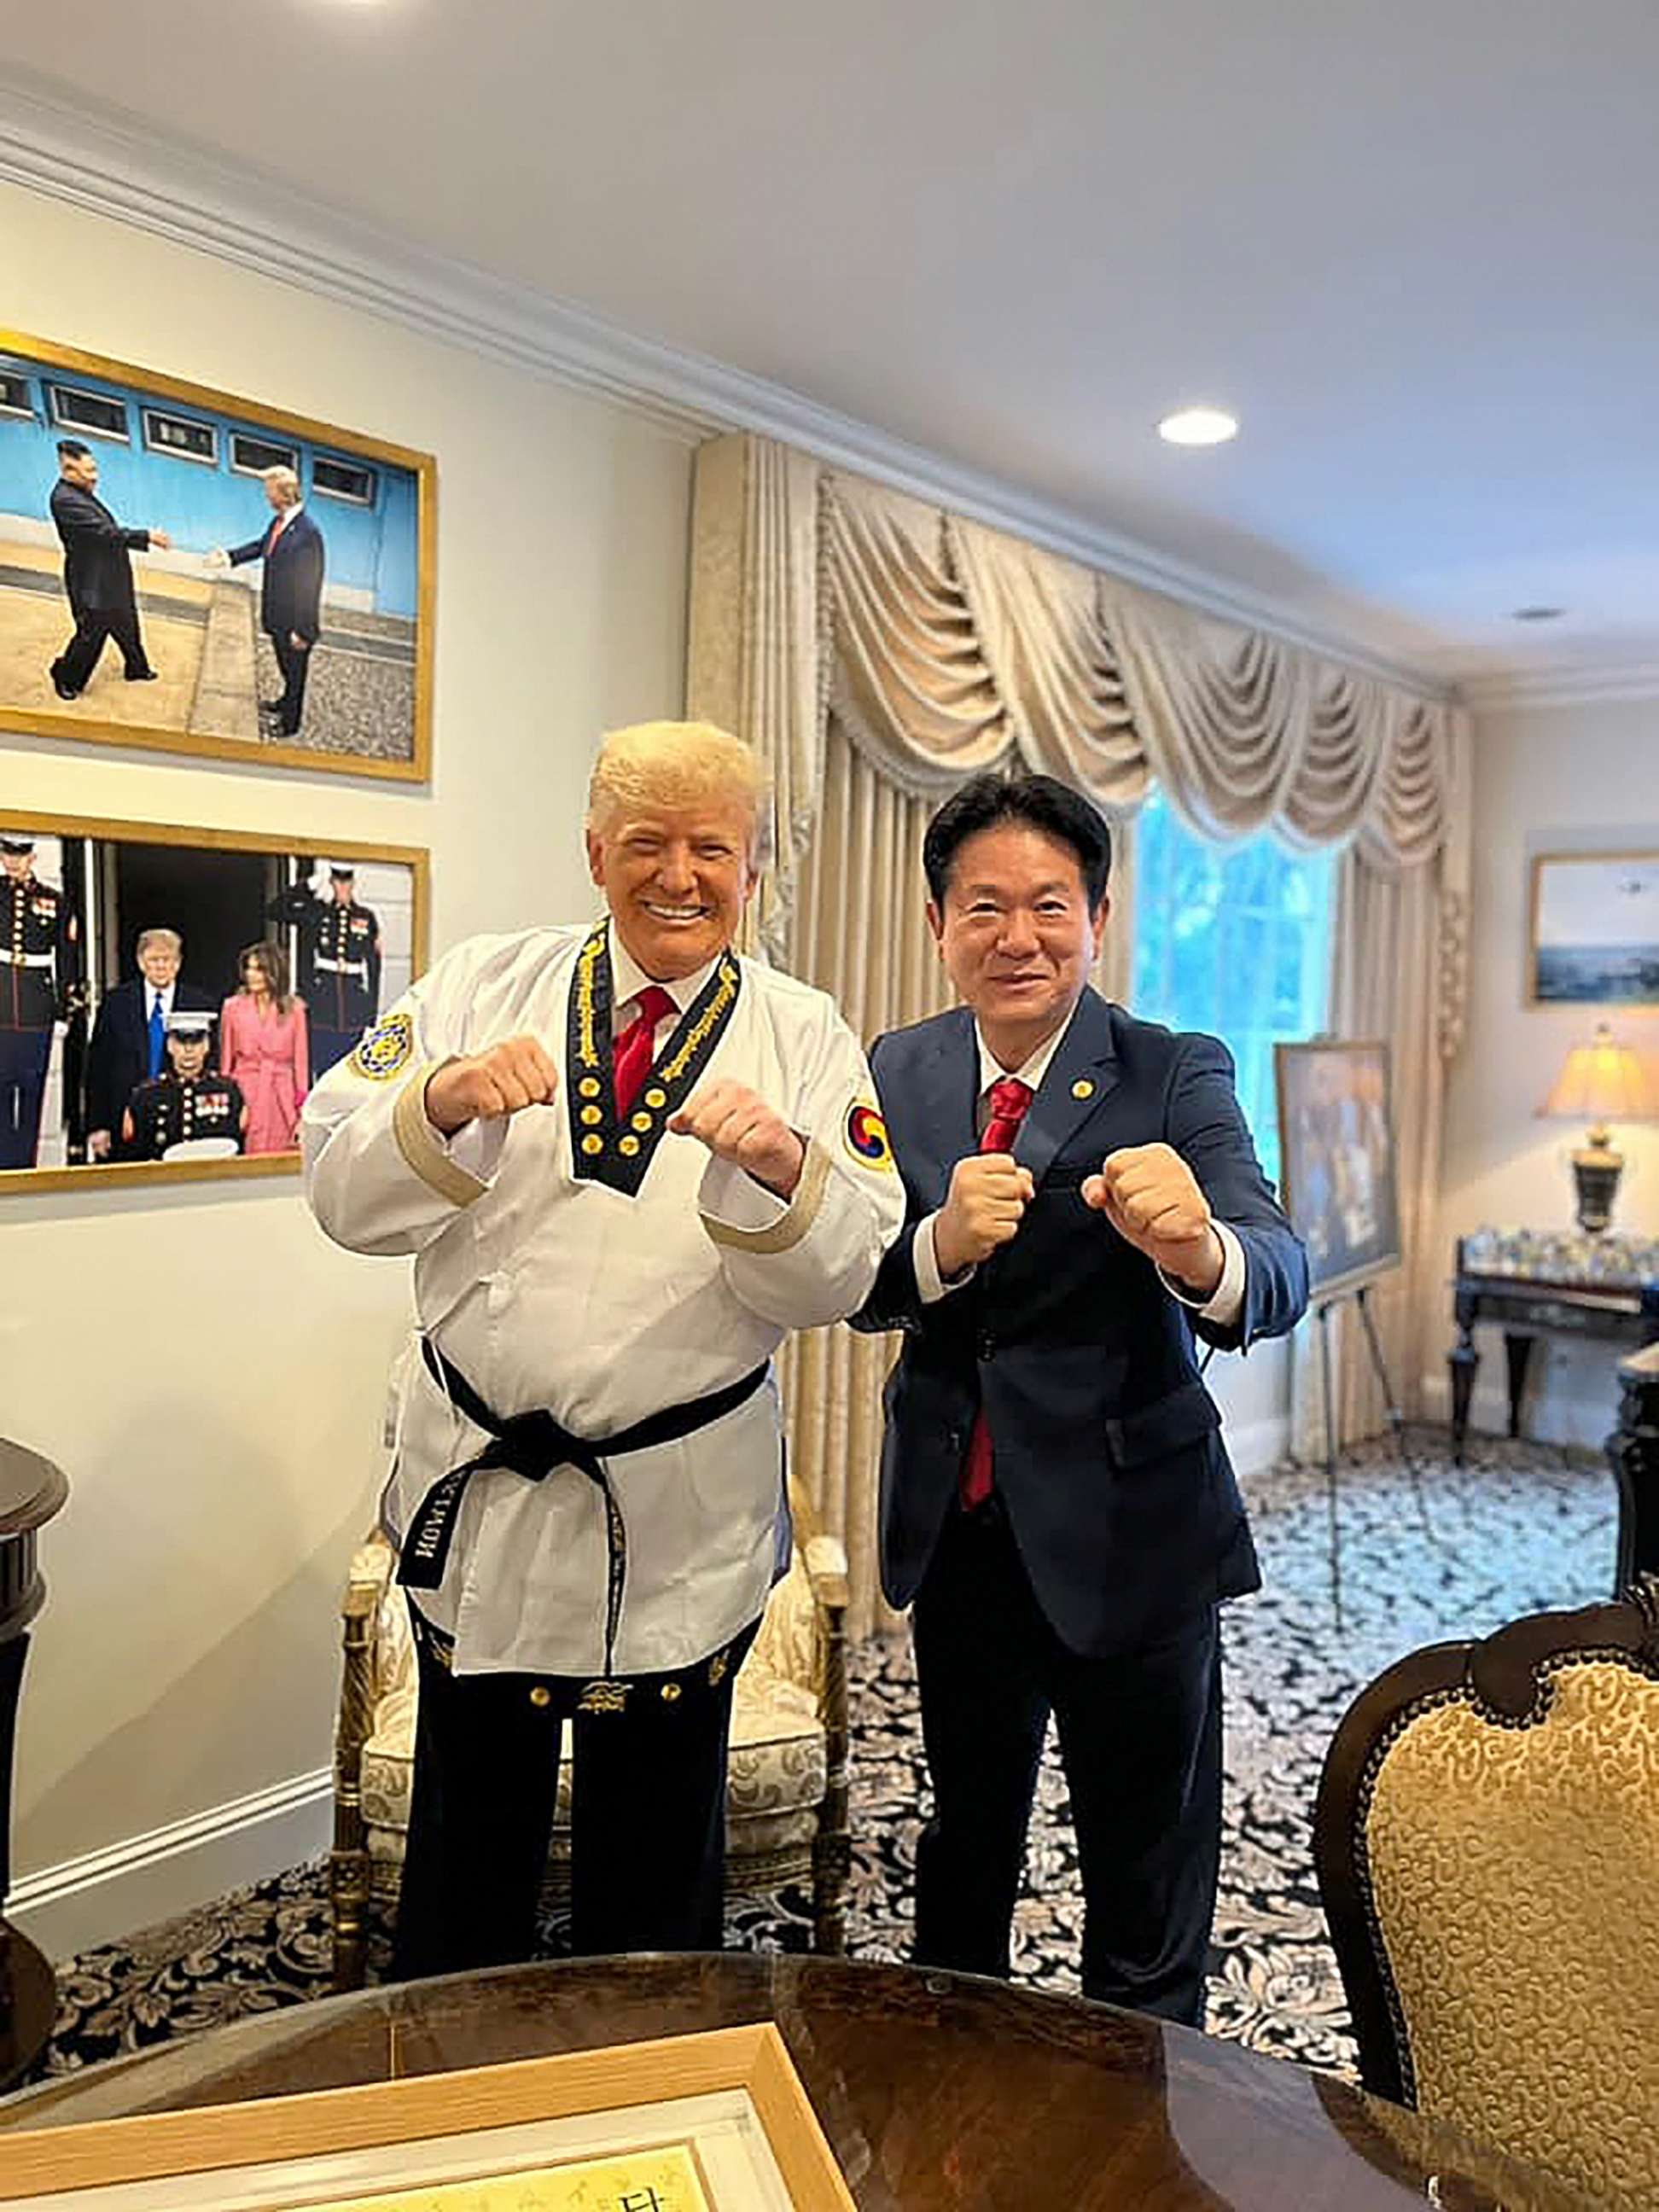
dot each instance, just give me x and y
(934, 2090)
(30, 1490)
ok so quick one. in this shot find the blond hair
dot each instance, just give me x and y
(678, 764)
(170, 938)
(284, 479)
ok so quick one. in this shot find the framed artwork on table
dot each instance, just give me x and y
(190, 570)
(1337, 1160)
(168, 996)
(1593, 930)
(712, 2122)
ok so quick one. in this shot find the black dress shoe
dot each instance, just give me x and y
(144, 676)
(64, 690)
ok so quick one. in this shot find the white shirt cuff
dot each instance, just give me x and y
(931, 1286)
(1226, 1302)
(475, 1146)
(730, 1196)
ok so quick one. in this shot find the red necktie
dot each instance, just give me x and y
(1009, 1100)
(630, 1049)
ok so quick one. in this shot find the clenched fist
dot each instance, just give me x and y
(738, 1125)
(1152, 1199)
(486, 1087)
(989, 1193)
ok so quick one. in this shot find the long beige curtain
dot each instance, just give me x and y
(879, 650)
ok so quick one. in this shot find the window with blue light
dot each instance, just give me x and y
(1235, 940)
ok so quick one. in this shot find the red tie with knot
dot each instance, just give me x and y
(631, 1049)
(1009, 1100)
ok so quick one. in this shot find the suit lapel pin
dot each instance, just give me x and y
(1083, 1088)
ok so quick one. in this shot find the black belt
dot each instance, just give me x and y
(533, 1444)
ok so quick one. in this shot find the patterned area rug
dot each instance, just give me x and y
(1520, 1527)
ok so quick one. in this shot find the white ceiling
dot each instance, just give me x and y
(1412, 246)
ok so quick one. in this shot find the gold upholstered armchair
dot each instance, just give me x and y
(1488, 1844)
(787, 1792)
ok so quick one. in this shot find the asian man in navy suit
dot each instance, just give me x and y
(1082, 1199)
(290, 592)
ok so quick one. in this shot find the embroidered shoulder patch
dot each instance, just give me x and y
(866, 1134)
(386, 1049)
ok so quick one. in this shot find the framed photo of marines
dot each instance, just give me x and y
(168, 996)
(188, 570)
(715, 2122)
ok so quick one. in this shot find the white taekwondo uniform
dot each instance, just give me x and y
(601, 1274)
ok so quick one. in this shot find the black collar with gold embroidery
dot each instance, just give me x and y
(601, 1150)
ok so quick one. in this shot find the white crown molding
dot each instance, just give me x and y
(102, 161)
(1587, 683)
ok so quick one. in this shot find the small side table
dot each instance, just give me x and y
(1540, 1282)
(1633, 1448)
(30, 1490)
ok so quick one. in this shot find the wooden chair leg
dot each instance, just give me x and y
(832, 1848)
(347, 1873)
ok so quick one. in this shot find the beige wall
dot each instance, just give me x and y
(1570, 779)
(205, 1368)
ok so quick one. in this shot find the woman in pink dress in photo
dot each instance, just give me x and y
(263, 1046)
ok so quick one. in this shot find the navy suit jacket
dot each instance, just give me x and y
(1109, 1458)
(291, 589)
(117, 1054)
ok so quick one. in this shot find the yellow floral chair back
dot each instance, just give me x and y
(1487, 1841)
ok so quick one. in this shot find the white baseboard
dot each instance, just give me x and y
(1255, 1446)
(110, 1893)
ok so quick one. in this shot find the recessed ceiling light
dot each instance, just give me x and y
(1198, 426)
(1537, 614)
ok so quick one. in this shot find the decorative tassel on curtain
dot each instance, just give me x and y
(878, 651)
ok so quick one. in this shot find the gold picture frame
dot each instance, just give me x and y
(121, 891)
(1593, 930)
(477, 2138)
(188, 457)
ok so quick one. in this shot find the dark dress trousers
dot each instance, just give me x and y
(1088, 1585)
(98, 579)
(291, 603)
(117, 1053)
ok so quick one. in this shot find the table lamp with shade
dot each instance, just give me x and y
(1601, 1082)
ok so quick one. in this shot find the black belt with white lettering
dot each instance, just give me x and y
(533, 1444)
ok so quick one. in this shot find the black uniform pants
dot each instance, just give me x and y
(1141, 1742)
(24, 1057)
(294, 661)
(93, 625)
(648, 1869)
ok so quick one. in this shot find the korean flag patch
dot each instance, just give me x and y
(867, 1139)
(385, 1050)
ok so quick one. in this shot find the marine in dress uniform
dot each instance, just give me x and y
(339, 962)
(39, 977)
(190, 1102)
(587, 1483)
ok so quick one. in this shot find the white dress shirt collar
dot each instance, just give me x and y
(628, 979)
(1032, 1072)
(165, 995)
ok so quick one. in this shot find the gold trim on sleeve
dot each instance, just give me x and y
(420, 1147)
(787, 1231)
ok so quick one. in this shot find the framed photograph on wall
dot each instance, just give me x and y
(200, 573)
(1593, 934)
(168, 996)
(1337, 1160)
(715, 2122)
